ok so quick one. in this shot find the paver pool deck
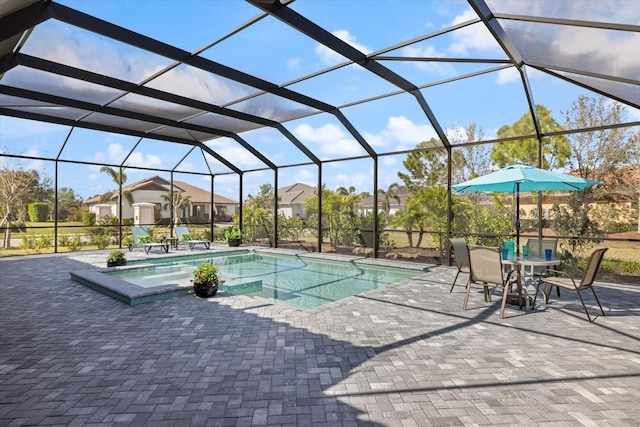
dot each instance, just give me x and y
(402, 355)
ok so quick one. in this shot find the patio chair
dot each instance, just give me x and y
(485, 268)
(141, 237)
(566, 281)
(182, 233)
(536, 248)
(462, 258)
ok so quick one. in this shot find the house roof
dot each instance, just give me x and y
(199, 195)
(401, 192)
(157, 183)
(296, 194)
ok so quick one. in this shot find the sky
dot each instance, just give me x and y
(274, 52)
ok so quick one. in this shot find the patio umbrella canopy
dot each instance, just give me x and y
(523, 178)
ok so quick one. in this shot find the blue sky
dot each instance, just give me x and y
(274, 52)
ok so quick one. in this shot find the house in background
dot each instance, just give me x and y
(292, 198)
(151, 191)
(395, 203)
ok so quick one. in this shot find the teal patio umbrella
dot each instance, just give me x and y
(517, 179)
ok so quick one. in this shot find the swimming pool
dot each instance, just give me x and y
(302, 282)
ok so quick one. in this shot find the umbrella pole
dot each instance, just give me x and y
(517, 219)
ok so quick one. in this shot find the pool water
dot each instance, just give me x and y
(302, 282)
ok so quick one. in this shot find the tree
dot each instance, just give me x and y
(119, 178)
(340, 222)
(179, 203)
(259, 216)
(425, 168)
(555, 150)
(388, 195)
(346, 205)
(470, 160)
(573, 219)
(599, 155)
(14, 184)
(68, 203)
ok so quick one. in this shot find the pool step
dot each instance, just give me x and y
(277, 294)
(242, 286)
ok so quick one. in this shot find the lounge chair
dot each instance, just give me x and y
(579, 284)
(462, 258)
(182, 233)
(142, 238)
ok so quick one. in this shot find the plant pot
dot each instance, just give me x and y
(205, 290)
(234, 242)
(116, 263)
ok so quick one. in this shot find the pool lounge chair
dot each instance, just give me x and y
(182, 233)
(142, 238)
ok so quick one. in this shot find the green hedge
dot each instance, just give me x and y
(38, 211)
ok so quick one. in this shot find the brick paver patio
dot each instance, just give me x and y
(403, 355)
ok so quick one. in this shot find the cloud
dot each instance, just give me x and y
(329, 56)
(293, 63)
(389, 161)
(473, 37)
(361, 181)
(197, 84)
(234, 153)
(115, 152)
(401, 133)
(328, 140)
(508, 75)
(306, 176)
(138, 159)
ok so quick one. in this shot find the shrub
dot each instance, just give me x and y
(128, 220)
(72, 242)
(19, 227)
(38, 211)
(89, 218)
(108, 220)
(100, 236)
(32, 243)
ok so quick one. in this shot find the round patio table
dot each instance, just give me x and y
(521, 263)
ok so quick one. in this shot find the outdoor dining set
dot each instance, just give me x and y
(538, 263)
(535, 270)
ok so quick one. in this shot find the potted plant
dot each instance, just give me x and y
(233, 235)
(206, 280)
(116, 258)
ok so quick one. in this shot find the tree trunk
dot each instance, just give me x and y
(7, 232)
(410, 237)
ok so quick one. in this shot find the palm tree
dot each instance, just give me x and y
(390, 193)
(119, 178)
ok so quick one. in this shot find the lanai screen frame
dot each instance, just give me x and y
(16, 27)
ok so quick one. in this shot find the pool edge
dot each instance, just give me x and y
(123, 291)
